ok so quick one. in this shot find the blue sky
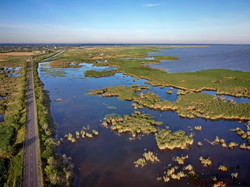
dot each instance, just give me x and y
(125, 21)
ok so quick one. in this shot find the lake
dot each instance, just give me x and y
(191, 59)
(108, 159)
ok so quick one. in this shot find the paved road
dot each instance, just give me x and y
(30, 176)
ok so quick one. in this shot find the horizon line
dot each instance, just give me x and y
(123, 43)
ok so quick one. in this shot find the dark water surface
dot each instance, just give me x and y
(107, 160)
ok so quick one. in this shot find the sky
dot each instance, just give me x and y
(125, 21)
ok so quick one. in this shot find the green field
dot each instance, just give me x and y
(13, 107)
(131, 61)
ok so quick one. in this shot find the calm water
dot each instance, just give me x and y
(191, 59)
(107, 160)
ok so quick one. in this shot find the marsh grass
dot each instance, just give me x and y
(64, 64)
(129, 60)
(103, 73)
(147, 157)
(179, 171)
(133, 124)
(180, 159)
(197, 128)
(245, 135)
(222, 168)
(189, 105)
(84, 133)
(166, 139)
(205, 162)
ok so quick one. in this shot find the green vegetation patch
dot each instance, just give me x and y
(177, 170)
(7, 133)
(206, 106)
(245, 135)
(3, 170)
(64, 64)
(147, 157)
(222, 168)
(217, 140)
(103, 73)
(165, 58)
(205, 161)
(133, 124)
(171, 173)
(197, 128)
(180, 159)
(166, 139)
(13, 106)
(84, 133)
(222, 142)
(123, 92)
(189, 105)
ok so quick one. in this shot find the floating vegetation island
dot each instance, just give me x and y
(176, 172)
(103, 73)
(198, 128)
(222, 142)
(180, 160)
(222, 168)
(166, 139)
(245, 135)
(205, 162)
(133, 124)
(84, 133)
(147, 157)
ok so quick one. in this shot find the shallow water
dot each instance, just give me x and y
(107, 160)
(238, 100)
(1, 117)
(12, 74)
(191, 59)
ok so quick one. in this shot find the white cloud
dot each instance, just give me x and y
(152, 5)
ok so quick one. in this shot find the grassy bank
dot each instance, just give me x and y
(57, 170)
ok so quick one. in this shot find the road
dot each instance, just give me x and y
(30, 175)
